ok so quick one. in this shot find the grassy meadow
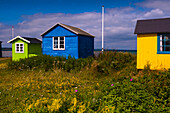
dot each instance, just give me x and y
(105, 84)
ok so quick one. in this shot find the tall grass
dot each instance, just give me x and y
(108, 83)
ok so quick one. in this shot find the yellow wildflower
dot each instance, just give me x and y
(37, 103)
(29, 107)
(82, 109)
(55, 105)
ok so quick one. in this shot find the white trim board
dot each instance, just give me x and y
(19, 48)
(19, 38)
(58, 43)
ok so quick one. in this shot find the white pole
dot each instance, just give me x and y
(102, 28)
(12, 32)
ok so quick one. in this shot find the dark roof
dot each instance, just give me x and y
(75, 30)
(153, 26)
(32, 40)
(26, 39)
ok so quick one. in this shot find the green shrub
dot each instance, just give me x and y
(113, 61)
(47, 62)
(124, 89)
(44, 62)
(142, 95)
(107, 62)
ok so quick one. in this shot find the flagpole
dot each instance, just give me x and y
(12, 32)
(102, 28)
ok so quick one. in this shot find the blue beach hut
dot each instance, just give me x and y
(65, 40)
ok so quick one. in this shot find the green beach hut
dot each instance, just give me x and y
(24, 47)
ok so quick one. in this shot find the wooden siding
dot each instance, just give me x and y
(59, 31)
(147, 53)
(29, 50)
(17, 56)
(71, 43)
(86, 46)
(34, 49)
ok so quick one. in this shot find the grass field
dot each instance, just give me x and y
(109, 83)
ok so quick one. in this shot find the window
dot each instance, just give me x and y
(164, 43)
(59, 43)
(19, 47)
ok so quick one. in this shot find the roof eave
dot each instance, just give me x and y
(87, 35)
(150, 32)
(39, 39)
(10, 41)
(46, 31)
(68, 28)
(64, 26)
(61, 26)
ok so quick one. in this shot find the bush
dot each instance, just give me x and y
(107, 62)
(46, 62)
(145, 94)
(125, 90)
(113, 61)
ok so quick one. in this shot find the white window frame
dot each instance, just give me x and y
(58, 44)
(19, 48)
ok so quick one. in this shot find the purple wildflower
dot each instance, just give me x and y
(75, 90)
(112, 84)
(131, 79)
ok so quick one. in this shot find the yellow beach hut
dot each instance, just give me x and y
(153, 43)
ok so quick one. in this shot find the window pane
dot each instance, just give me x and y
(163, 48)
(61, 42)
(168, 36)
(167, 42)
(167, 39)
(55, 45)
(17, 49)
(167, 49)
(61, 46)
(162, 37)
(55, 42)
(62, 38)
(21, 48)
(55, 39)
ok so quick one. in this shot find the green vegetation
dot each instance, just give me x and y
(108, 83)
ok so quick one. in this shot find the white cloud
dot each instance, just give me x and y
(119, 25)
(161, 4)
(154, 13)
(5, 33)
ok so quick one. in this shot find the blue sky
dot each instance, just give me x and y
(32, 17)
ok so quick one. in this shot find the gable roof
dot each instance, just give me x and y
(26, 39)
(75, 30)
(33, 40)
(153, 26)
